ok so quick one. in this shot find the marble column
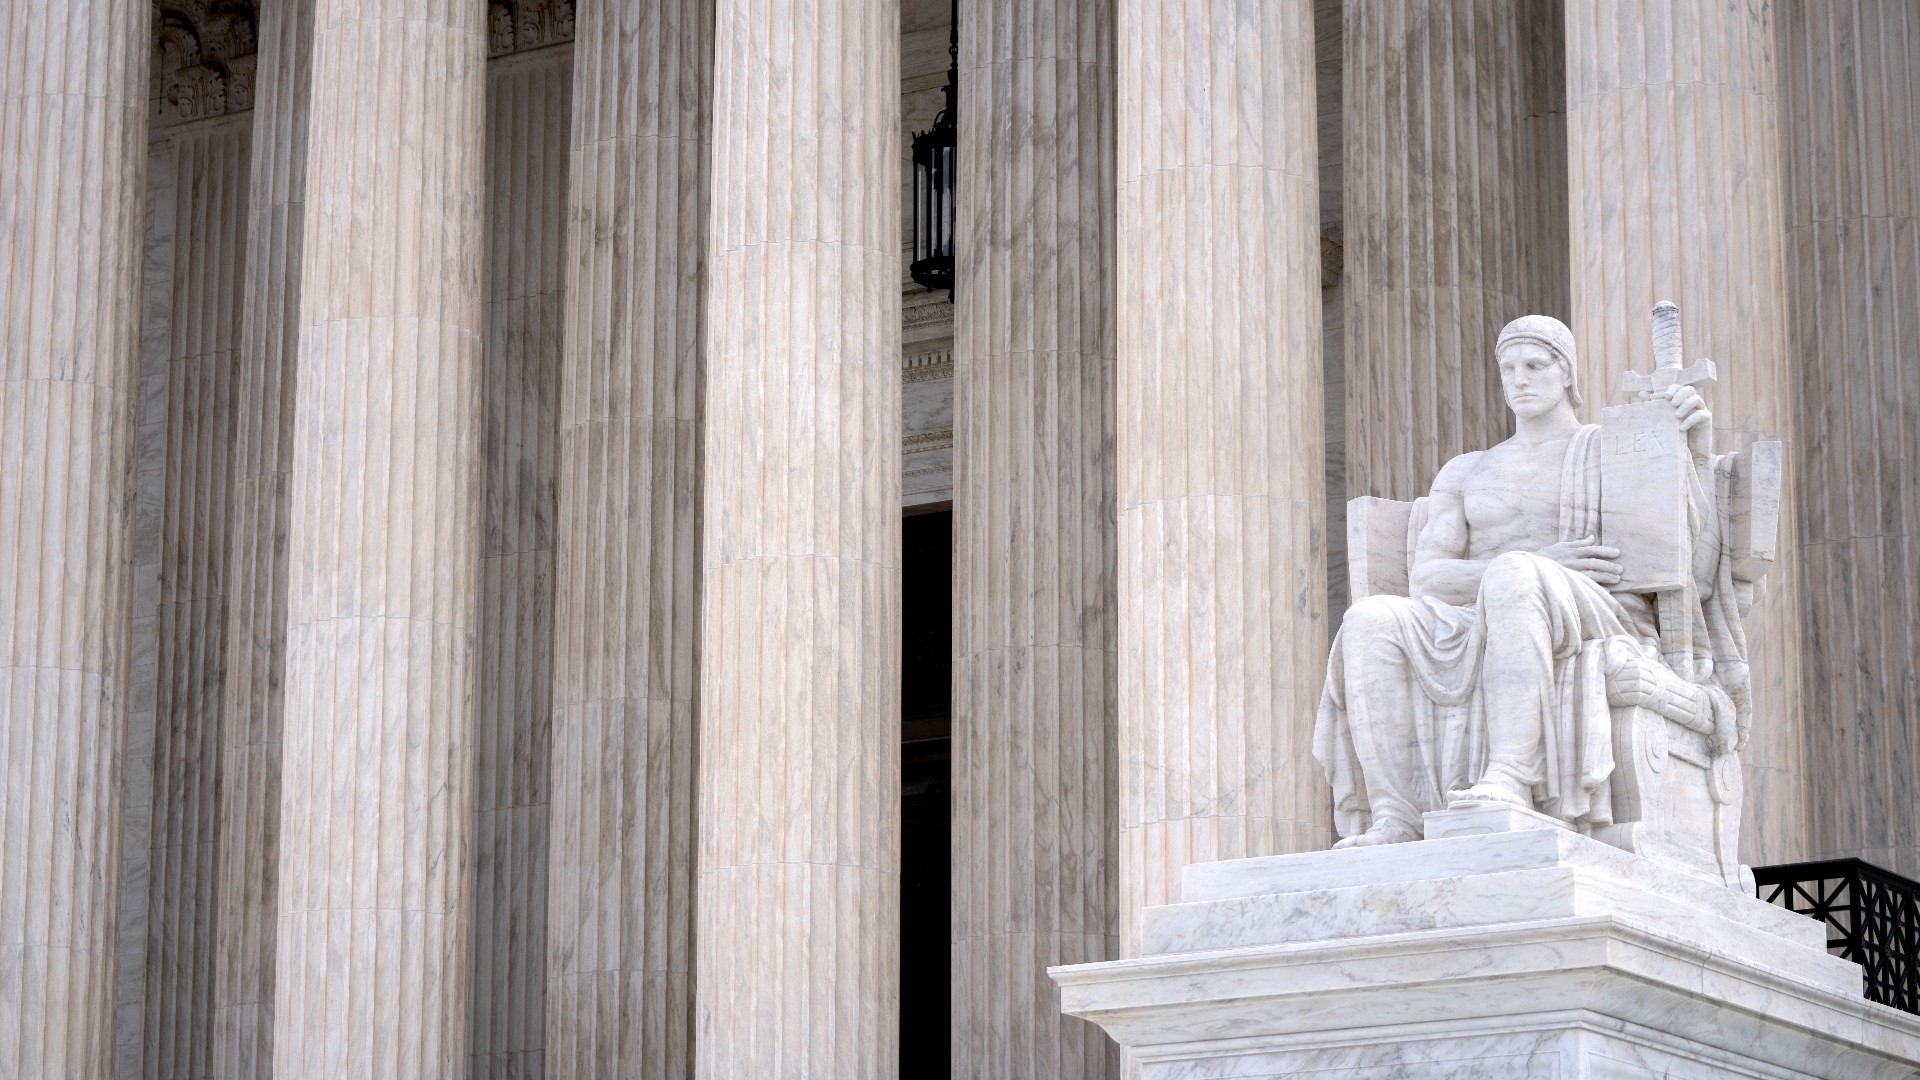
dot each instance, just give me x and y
(797, 970)
(73, 125)
(1850, 112)
(254, 702)
(1438, 186)
(1034, 638)
(376, 800)
(203, 367)
(149, 494)
(526, 223)
(1673, 188)
(1543, 147)
(620, 910)
(1223, 633)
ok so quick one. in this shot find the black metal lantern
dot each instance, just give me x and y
(934, 182)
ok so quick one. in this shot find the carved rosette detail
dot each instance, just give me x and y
(203, 59)
(518, 25)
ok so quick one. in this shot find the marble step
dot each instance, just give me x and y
(1460, 881)
(1527, 848)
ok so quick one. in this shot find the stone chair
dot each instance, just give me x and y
(1674, 796)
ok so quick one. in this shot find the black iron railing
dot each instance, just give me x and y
(1872, 917)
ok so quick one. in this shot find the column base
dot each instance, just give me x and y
(1537, 953)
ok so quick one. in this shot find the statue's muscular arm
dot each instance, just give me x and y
(1444, 566)
(1441, 568)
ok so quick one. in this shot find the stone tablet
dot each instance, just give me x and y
(1644, 478)
(1377, 546)
(1753, 510)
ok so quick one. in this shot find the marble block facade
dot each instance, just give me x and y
(568, 345)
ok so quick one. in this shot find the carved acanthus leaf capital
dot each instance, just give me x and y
(204, 56)
(518, 25)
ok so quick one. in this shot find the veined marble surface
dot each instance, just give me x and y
(1533, 953)
(1460, 863)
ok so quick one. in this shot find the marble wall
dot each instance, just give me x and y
(377, 826)
(798, 781)
(528, 99)
(1436, 259)
(210, 170)
(1541, 204)
(253, 696)
(1034, 627)
(72, 120)
(165, 1020)
(621, 913)
(1329, 18)
(1673, 193)
(149, 511)
(1850, 126)
(1221, 478)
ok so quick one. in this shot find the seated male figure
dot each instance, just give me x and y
(1489, 682)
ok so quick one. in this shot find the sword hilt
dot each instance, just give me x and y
(1668, 361)
(1666, 335)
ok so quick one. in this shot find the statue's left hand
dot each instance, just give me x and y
(1691, 410)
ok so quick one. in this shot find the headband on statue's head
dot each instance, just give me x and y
(1551, 334)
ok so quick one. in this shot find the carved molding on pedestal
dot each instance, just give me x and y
(203, 59)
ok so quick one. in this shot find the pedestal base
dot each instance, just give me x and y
(1528, 954)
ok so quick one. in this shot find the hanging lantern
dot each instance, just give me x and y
(934, 183)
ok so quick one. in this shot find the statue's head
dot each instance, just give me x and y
(1537, 372)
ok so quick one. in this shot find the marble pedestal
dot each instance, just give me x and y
(1535, 953)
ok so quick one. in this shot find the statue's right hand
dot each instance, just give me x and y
(1583, 556)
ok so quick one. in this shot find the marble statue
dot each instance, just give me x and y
(1573, 610)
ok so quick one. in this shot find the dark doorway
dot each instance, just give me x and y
(926, 716)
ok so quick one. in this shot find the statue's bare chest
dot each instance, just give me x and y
(1511, 498)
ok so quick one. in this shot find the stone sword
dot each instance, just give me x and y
(1675, 606)
(1667, 358)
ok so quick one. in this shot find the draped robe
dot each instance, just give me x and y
(1403, 716)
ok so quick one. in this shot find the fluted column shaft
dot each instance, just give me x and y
(204, 362)
(1674, 194)
(377, 800)
(1034, 638)
(620, 918)
(73, 99)
(1438, 188)
(526, 224)
(148, 493)
(254, 696)
(1543, 149)
(799, 707)
(1850, 113)
(1221, 500)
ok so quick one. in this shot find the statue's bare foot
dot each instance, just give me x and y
(1382, 832)
(1493, 789)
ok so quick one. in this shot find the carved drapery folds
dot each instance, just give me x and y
(518, 25)
(203, 59)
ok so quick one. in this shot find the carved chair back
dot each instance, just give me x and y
(1382, 535)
